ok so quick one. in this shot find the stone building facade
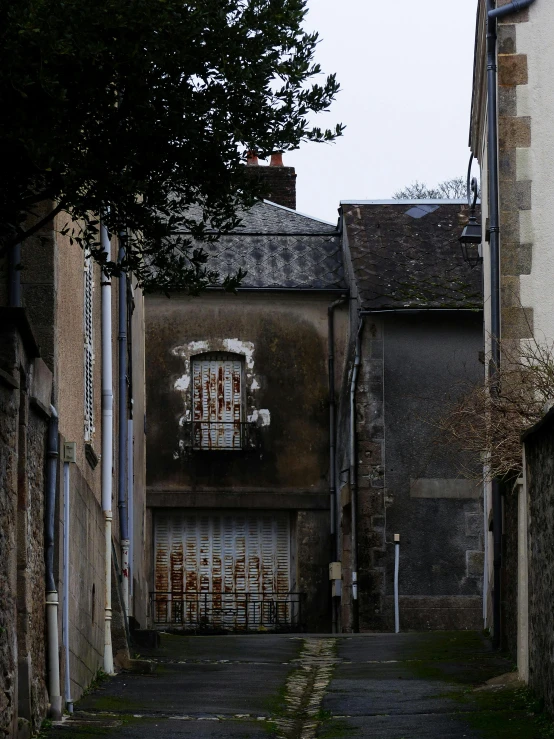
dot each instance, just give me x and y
(238, 435)
(46, 372)
(525, 63)
(294, 320)
(415, 307)
(25, 387)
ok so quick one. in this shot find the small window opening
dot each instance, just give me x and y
(217, 401)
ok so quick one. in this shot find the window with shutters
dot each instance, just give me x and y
(217, 401)
(88, 349)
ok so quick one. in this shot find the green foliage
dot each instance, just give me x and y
(137, 109)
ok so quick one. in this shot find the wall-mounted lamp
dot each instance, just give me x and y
(470, 240)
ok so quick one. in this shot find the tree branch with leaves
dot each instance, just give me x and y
(139, 109)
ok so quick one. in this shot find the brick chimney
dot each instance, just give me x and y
(278, 182)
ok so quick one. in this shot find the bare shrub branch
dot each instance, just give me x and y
(489, 418)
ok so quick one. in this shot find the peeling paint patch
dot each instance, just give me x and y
(255, 385)
(183, 383)
(241, 347)
(262, 415)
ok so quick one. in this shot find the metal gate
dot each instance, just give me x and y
(216, 402)
(228, 571)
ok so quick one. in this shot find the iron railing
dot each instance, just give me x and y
(228, 611)
(223, 435)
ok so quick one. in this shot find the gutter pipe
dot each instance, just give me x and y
(52, 601)
(335, 555)
(354, 478)
(417, 310)
(107, 449)
(65, 609)
(123, 432)
(512, 7)
(493, 13)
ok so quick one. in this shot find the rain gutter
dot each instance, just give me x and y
(107, 448)
(52, 599)
(354, 477)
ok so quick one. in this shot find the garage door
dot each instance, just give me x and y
(226, 570)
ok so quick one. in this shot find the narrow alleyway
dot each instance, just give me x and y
(383, 686)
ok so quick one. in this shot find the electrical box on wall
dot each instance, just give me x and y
(70, 451)
(335, 571)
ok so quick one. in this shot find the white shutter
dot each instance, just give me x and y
(88, 349)
(226, 557)
(216, 402)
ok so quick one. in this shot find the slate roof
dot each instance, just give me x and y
(280, 248)
(407, 255)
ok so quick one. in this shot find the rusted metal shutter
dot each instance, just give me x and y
(216, 561)
(217, 401)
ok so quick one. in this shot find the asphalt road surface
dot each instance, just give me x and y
(383, 686)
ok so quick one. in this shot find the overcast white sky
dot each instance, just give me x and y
(405, 70)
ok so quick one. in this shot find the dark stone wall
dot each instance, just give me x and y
(429, 362)
(23, 428)
(412, 368)
(509, 586)
(9, 413)
(539, 453)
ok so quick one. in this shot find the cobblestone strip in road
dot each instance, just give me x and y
(305, 688)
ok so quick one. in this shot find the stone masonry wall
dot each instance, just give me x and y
(9, 409)
(25, 388)
(539, 452)
(370, 430)
(514, 132)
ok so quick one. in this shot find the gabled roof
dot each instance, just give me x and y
(407, 255)
(280, 248)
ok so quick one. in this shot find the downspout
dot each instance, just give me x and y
(512, 7)
(123, 431)
(130, 446)
(107, 448)
(492, 152)
(335, 556)
(65, 607)
(354, 478)
(52, 602)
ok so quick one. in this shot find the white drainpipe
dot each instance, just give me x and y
(130, 511)
(107, 448)
(65, 611)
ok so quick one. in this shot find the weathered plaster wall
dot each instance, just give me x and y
(283, 338)
(285, 343)
(70, 354)
(539, 452)
(86, 582)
